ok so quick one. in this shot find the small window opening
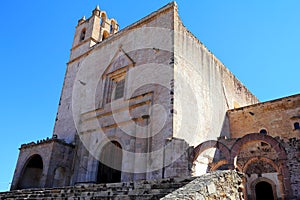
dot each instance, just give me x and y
(111, 29)
(119, 91)
(82, 35)
(263, 131)
(296, 126)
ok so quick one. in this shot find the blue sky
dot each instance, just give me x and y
(257, 40)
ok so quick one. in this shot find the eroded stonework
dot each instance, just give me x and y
(223, 184)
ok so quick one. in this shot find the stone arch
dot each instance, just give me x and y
(204, 163)
(113, 26)
(257, 137)
(82, 35)
(210, 144)
(281, 153)
(215, 166)
(105, 35)
(32, 173)
(103, 18)
(110, 163)
(254, 159)
(260, 180)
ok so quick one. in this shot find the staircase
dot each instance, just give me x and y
(215, 185)
(140, 190)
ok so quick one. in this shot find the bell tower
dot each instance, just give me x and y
(92, 31)
(88, 33)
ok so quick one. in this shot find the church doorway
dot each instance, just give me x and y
(110, 163)
(264, 191)
(32, 173)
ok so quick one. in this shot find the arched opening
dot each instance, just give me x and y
(60, 177)
(113, 26)
(110, 163)
(111, 29)
(32, 173)
(103, 19)
(264, 191)
(204, 159)
(82, 35)
(219, 165)
(105, 35)
(249, 151)
(208, 156)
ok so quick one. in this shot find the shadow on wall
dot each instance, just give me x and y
(212, 155)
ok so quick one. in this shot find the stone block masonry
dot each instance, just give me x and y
(216, 185)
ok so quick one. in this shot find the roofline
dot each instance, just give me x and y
(154, 14)
(172, 4)
(266, 102)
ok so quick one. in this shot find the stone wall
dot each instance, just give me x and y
(204, 90)
(262, 158)
(277, 117)
(55, 154)
(217, 185)
(280, 119)
(136, 120)
(292, 147)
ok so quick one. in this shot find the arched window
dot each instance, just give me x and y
(263, 131)
(296, 126)
(82, 35)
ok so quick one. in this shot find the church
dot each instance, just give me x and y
(150, 102)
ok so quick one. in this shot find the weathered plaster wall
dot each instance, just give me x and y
(141, 121)
(277, 117)
(152, 32)
(204, 90)
(64, 126)
(61, 158)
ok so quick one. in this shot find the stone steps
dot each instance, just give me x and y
(154, 189)
(223, 184)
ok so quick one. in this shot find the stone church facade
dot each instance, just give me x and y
(150, 101)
